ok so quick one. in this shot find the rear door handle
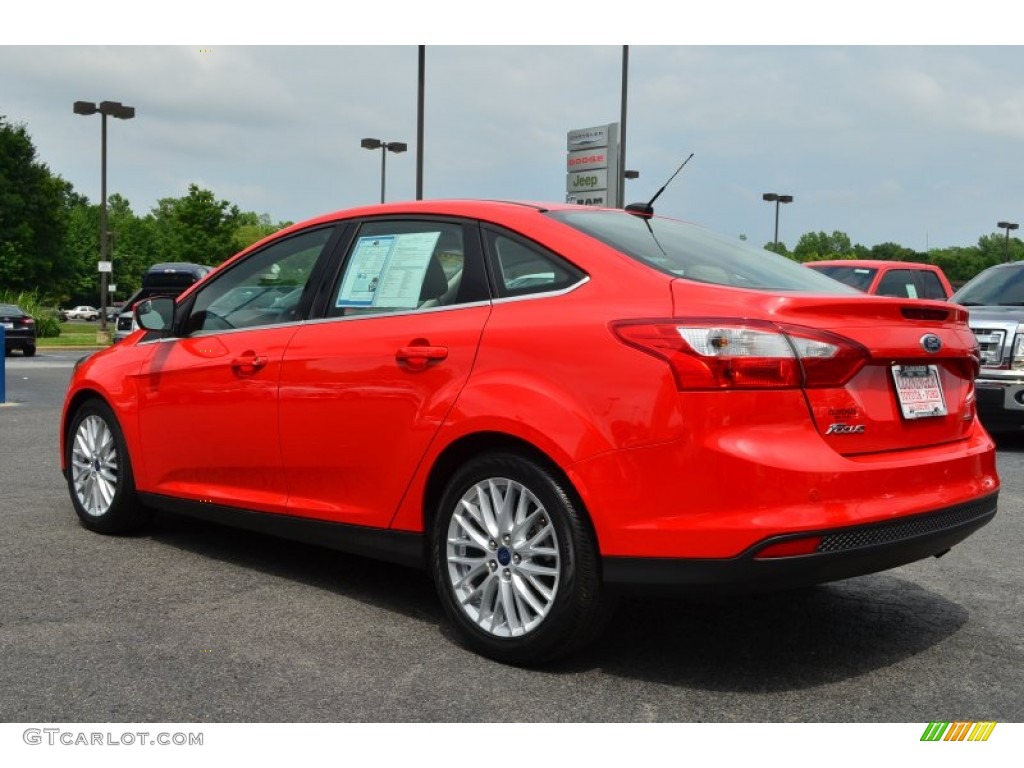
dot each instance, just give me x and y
(248, 362)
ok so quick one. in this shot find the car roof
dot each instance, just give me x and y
(481, 209)
(870, 263)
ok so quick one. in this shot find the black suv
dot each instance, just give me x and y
(168, 279)
(995, 301)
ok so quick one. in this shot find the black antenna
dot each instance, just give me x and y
(647, 209)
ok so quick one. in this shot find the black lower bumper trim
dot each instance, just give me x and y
(843, 553)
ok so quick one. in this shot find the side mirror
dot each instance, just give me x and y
(156, 314)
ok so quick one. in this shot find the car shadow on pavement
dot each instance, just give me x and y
(776, 642)
(773, 642)
(1009, 441)
(384, 585)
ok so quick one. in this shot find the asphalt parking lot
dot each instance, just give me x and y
(195, 623)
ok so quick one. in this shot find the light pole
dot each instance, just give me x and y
(775, 197)
(120, 111)
(1007, 225)
(384, 147)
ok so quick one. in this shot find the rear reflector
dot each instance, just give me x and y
(791, 548)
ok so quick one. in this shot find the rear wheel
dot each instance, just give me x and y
(515, 561)
(99, 472)
(29, 350)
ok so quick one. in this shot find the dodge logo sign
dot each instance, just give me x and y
(931, 343)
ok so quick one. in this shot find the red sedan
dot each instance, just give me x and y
(544, 405)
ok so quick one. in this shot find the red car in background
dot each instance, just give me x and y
(902, 279)
(544, 406)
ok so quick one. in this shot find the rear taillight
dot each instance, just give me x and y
(729, 353)
(27, 321)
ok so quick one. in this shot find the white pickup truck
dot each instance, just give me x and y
(995, 301)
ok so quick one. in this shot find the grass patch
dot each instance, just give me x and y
(70, 340)
(74, 335)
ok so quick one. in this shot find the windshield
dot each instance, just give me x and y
(691, 252)
(994, 287)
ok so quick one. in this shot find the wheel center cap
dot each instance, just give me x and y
(504, 556)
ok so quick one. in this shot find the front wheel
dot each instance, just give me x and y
(99, 472)
(515, 562)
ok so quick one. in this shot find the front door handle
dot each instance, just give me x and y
(248, 362)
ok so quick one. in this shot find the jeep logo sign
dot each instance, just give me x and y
(586, 181)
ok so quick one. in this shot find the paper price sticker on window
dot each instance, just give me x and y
(919, 391)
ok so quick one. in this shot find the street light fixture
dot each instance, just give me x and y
(774, 197)
(384, 147)
(1007, 225)
(121, 112)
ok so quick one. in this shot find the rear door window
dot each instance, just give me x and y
(898, 282)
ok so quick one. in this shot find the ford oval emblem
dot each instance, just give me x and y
(931, 343)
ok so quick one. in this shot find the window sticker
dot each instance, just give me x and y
(387, 271)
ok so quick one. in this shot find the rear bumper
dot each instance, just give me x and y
(842, 553)
(18, 339)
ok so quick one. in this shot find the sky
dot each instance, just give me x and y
(913, 138)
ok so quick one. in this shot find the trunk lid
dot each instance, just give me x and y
(916, 387)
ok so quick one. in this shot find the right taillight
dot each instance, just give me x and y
(729, 353)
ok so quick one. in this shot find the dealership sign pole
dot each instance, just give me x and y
(3, 366)
(593, 168)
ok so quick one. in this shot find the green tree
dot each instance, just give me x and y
(958, 263)
(779, 248)
(893, 252)
(816, 246)
(253, 227)
(32, 221)
(196, 227)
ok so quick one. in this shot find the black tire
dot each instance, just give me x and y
(525, 589)
(29, 350)
(99, 472)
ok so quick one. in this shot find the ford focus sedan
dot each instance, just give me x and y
(543, 406)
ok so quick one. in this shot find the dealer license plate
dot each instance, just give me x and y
(8, 326)
(919, 391)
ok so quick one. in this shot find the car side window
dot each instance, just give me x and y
(898, 282)
(523, 268)
(401, 265)
(932, 286)
(264, 288)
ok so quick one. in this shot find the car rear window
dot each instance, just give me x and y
(688, 251)
(856, 277)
